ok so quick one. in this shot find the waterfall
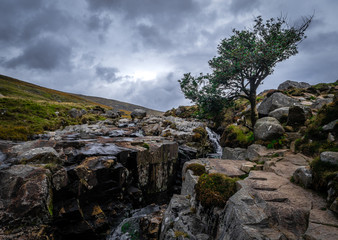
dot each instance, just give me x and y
(214, 138)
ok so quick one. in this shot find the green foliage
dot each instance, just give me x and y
(244, 60)
(315, 139)
(146, 145)
(197, 169)
(237, 136)
(323, 173)
(277, 143)
(214, 190)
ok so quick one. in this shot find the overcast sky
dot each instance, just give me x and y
(136, 50)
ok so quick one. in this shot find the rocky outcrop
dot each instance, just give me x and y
(234, 153)
(267, 205)
(280, 114)
(292, 84)
(275, 101)
(296, 116)
(329, 157)
(268, 128)
(97, 174)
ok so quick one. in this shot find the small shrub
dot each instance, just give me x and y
(214, 190)
(146, 145)
(197, 169)
(277, 143)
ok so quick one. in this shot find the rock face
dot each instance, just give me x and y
(303, 176)
(268, 128)
(275, 101)
(97, 174)
(25, 198)
(293, 84)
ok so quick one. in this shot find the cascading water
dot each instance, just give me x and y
(215, 138)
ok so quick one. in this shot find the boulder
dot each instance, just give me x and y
(75, 113)
(276, 100)
(25, 196)
(296, 116)
(268, 128)
(293, 84)
(112, 114)
(138, 113)
(234, 153)
(280, 113)
(303, 177)
(329, 157)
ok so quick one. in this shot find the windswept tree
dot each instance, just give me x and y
(244, 60)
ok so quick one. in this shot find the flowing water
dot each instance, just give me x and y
(215, 138)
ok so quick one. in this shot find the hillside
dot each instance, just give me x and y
(27, 109)
(119, 105)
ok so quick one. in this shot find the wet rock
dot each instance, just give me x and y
(40, 155)
(138, 113)
(293, 84)
(275, 101)
(234, 153)
(329, 157)
(303, 177)
(180, 222)
(268, 128)
(24, 196)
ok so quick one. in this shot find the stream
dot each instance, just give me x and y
(215, 138)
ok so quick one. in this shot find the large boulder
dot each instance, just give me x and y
(320, 102)
(256, 151)
(138, 113)
(268, 128)
(276, 100)
(292, 84)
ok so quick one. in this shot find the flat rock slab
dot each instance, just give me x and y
(231, 168)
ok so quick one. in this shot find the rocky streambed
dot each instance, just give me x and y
(83, 181)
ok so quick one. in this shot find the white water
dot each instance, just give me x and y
(215, 138)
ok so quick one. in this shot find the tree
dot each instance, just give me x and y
(245, 60)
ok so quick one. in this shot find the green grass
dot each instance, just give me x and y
(196, 168)
(22, 118)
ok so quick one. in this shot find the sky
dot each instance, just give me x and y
(136, 50)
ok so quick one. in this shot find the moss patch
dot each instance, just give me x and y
(237, 136)
(196, 168)
(214, 190)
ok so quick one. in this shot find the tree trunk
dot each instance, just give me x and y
(252, 99)
(254, 112)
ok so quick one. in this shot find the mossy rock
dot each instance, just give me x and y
(196, 168)
(214, 190)
(237, 136)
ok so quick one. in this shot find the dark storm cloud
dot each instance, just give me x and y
(44, 54)
(107, 73)
(239, 6)
(153, 38)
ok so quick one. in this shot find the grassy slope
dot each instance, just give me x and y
(27, 109)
